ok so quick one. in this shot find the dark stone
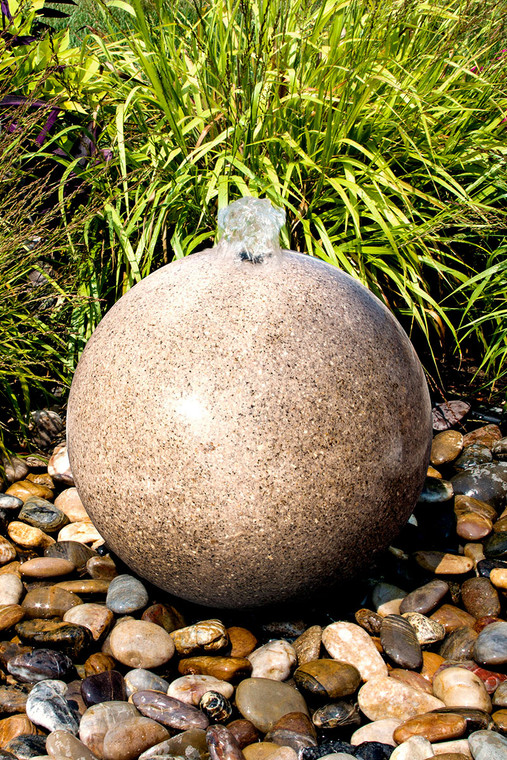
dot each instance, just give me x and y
(425, 598)
(459, 645)
(327, 678)
(496, 545)
(336, 715)
(487, 482)
(42, 514)
(472, 456)
(39, 665)
(369, 620)
(373, 751)
(26, 746)
(476, 720)
(480, 598)
(399, 642)
(215, 706)
(72, 639)
(108, 686)
(328, 747)
(485, 566)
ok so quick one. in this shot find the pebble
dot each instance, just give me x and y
(14, 468)
(491, 645)
(378, 731)
(275, 660)
(222, 745)
(349, 643)
(487, 745)
(500, 721)
(486, 482)
(139, 644)
(443, 563)
(49, 602)
(264, 701)
(459, 645)
(85, 586)
(9, 502)
(98, 662)
(426, 630)
(24, 489)
(140, 679)
(436, 490)
(215, 706)
(25, 747)
(480, 598)
(13, 726)
(39, 665)
(103, 568)
(169, 711)
(369, 620)
(77, 553)
(415, 748)
(189, 744)
(435, 727)
(328, 679)
(59, 465)
(425, 598)
(7, 551)
(46, 567)
(10, 615)
(473, 455)
(336, 715)
(62, 744)
(209, 635)
(97, 618)
(384, 697)
(108, 686)
(190, 689)
(445, 447)
(42, 514)
(387, 598)
(13, 698)
(496, 545)
(70, 638)
(98, 719)
(242, 641)
(128, 739)
(46, 706)
(488, 435)
(27, 536)
(11, 589)
(69, 502)
(459, 687)
(126, 594)
(223, 668)
(452, 617)
(399, 642)
(411, 678)
(84, 532)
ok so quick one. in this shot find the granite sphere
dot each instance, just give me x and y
(243, 433)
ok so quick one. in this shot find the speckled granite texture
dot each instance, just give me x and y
(243, 433)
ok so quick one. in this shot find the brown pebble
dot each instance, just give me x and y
(207, 635)
(224, 668)
(443, 563)
(23, 489)
(128, 739)
(85, 586)
(101, 568)
(308, 645)
(488, 435)
(500, 719)
(48, 602)
(13, 726)
(328, 679)
(7, 551)
(13, 698)
(459, 644)
(452, 617)
(28, 536)
(46, 567)
(464, 504)
(473, 527)
(369, 620)
(11, 567)
(482, 622)
(10, 615)
(435, 727)
(98, 663)
(431, 472)
(242, 641)
(41, 479)
(475, 552)
(165, 616)
(243, 731)
(498, 577)
(480, 598)
(431, 663)
(446, 447)
(96, 617)
(222, 745)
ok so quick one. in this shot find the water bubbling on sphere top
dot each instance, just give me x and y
(248, 424)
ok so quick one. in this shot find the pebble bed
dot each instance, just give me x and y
(408, 663)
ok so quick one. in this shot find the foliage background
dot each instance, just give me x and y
(379, 126)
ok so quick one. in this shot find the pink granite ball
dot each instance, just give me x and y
(242, 430)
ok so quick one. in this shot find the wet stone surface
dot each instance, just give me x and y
(408, 663)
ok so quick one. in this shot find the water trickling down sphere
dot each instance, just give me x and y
(248, 424)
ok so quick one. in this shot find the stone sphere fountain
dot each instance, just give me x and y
(248, 424)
